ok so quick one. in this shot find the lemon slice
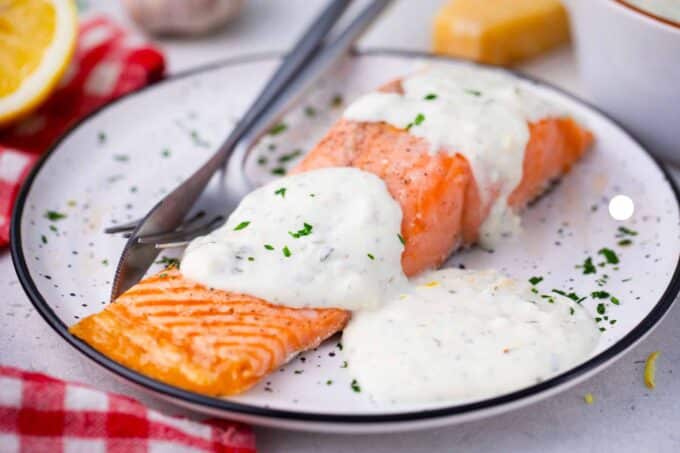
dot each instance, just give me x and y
(37, 38)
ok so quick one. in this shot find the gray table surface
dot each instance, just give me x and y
(626, 415)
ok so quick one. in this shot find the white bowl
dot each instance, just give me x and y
(630, 66)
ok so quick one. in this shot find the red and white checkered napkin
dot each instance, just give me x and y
(39, 413)
(108, 62)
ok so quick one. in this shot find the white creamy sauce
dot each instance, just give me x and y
(324, 238)
(463, 335)
(481, 114)
(668, 9)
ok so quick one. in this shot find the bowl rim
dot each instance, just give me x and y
(667, 24)
(225, 406)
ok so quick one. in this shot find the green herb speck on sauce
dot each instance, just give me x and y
(430, 97)
(535, 280)
(588, 266)
(290, 156)
(43, 238)
(281, 191)
(601, 309)
(54, 215)
(609, 255)
(269, 247)
(625, 242)
(241, 225)
(286, 251)
(278, 171)
(600, 294)
(370, 256)
(355, 386)
(623, 231)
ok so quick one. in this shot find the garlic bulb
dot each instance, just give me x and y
(188, 17)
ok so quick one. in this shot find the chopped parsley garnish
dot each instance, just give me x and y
(625, 242)
(588, 266)
(339, 346)
(310, 111)
(286, 251)
(298, 371)
(571, 311)
(370, 256)
(269, 247)
(344, 364)
(54, 216)
(329, 382)
(615, 300)
(43, 238)
(305, 231)
(535, 280)
(278, 128)
(165, 152)
(548, 297)
(430, 97)
(251, 258)
(355, 386)
(290, 156)
(600, 294)
(416, 122)
(262, 160)
(623, 231)
(336, 101)
(105, 262)
(572, 295)
(601, 309)
(401, 239)
(473, 92)
(241, 225)
(609, 255)
(169, 263)
(279, 171)
(281, 191)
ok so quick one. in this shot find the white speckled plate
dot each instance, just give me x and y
(118, 162)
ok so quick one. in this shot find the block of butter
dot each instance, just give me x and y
(499, 32)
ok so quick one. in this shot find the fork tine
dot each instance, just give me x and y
(181, 235)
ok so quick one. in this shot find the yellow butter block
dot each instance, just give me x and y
(499, 31)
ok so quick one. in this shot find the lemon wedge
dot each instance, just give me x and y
(37, 39)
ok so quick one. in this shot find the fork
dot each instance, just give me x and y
(164, 226)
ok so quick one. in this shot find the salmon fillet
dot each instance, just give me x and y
(439, 197)
(209, 341)
(221, 343)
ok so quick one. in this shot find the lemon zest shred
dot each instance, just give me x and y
(650, 370)
(589, 398)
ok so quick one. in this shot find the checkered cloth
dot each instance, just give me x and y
(39, 413)
(108, 62)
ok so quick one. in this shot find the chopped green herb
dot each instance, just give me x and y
(339, 346)
(298, 371)
(572, 295)
(344, 364)
(165, 152)
(615, 300)
(262, 160)
(588, 266)
(625, 242)
(269, 247)
(281, 191)
(416, 122)
(601, 309)
(535, 280)
(241, 225)
(169, 263)
(370, 256)
(43, 238)
(549, 298)
(609, 255)
(600, 294)
(534, 290)
(310, 111)
(401, 238)
(279, 171)
(336, 101)
(290, 156)
(286, 251)
(329, 382)
(473, 92)
(105, 262)
(355, 386)
(54, 216)
(623, 231)
(305, 231)
(278, 128)
(53, 228)
(602, 329)
(612, 322)
(571, 311)
(430, 97)
(251, 258)
(121, 157)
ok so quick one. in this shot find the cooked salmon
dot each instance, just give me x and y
(200, 339)
(221, 343)
(438, 194)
